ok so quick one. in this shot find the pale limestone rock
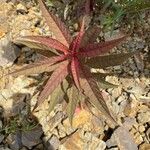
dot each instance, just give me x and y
(17, 85)
(6, 12)
(144, 117)
(141, 128)
(144, 146)
(138, 138)
(21, 8)
(83, 142)
(131, 108)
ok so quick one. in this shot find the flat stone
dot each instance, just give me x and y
(32, 138)
(122, 138)
(53, 143)
(8, 52)
(131, 108)
(14, 141)
(80, 119)
(138, 138)
(144, 117)
(141, 128)
(83, 142)
(129, 122)
(144, 146)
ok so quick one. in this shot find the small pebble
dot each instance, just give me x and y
(141, 128)
(21, 9)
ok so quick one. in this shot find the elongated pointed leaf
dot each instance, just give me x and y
(102, 84)
(75, 71)
(87, 12)
(39, 67)
(76, 42)
(97, 74)
(109, 60)
(42, 42)
(56, 78)
(58, 95)
(36, 46)
(92, 91)
(100, 75)
(56, 25)
(45, 53)
(73, 94)
(84, 8)
(35, 69)
(89, 6)
(90, 36)
(93, 50)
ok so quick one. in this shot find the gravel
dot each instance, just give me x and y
(130, 101)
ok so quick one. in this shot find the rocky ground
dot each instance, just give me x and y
(21, 129)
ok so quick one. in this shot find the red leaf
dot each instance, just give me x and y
(92, 91)
(89, 6)
(45, 42)
(56, 78)
(75, 71)
(84, 8)
(92, 31)
(76, 42)
(39, 67)
(56, 25)
(93, 50)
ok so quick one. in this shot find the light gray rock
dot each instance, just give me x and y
(8, 52)
(1, 138)
(111, 142)
(123, 139)
(53, 143)
(129, 122)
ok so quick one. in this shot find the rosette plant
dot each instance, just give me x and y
(72, 57)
